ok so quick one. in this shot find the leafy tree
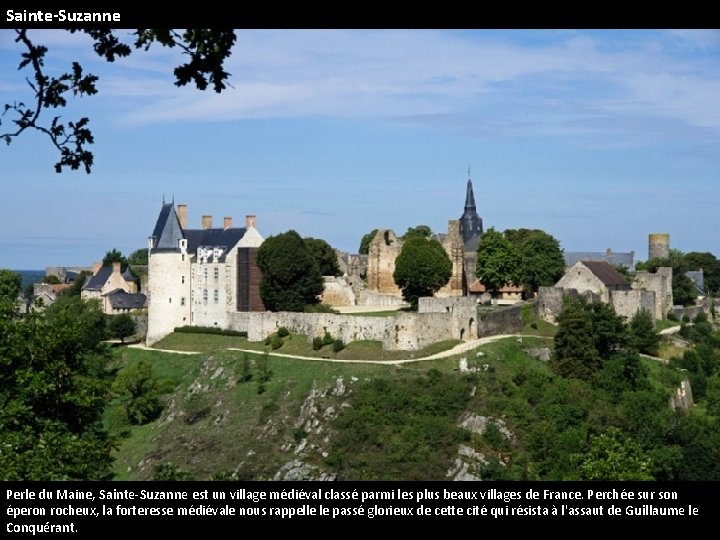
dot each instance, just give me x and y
(138, 257)
(138, 388)
(51, 280)
(541, 259)
(122, 326)
(10, 284)
(498, 261)
(420, 231)
(575, 354)
(53, 394)
(76, 288)
(205, 51)
(324, 255)
(365, 242)
(421, 269)
(643, 335)
(612, 456)
(609, 332)
(291, 278)
(114, 256)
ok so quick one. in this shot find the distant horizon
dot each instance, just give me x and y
(598, 137)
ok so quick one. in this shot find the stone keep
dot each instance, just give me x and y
(658, 246)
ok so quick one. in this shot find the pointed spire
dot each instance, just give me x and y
(469, 197)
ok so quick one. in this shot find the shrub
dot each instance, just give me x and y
(686, 318)
(276, 342)
(317, 343)
(246, 373)
(320, 308)
(210, 330)
(268, 339)
(283, 332)
(701, 317)
(138, 388)
(327, 339)
(338, 345)
(671, 316)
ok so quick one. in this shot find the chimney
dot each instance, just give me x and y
(207, 222)
(227, 222)
(116, 267)
(250, 221)
(609, 252)
(182, 215)
(96, 266)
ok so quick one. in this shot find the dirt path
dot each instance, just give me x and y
(460, 348)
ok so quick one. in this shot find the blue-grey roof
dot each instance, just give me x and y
(226, 238)
(612, 257)
(96, 282)
(129, 276)
(698, 279)
(120, 299)
(167, 233)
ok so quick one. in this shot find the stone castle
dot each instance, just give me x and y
(198, 276)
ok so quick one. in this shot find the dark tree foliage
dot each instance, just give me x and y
(52, 394)
(421, 269)
(365, 242)
(205, 51)
(76, 288)
(51, 280)
(121, 326)
(291, 278)
(498, 261)
(575, 354)
(10, 284)
(609, 332)
(541, 259)
(643, 335)
(420, 231)
(113, 256)
(138, 257)
(710, 265)
(139, 391)
(324, 255)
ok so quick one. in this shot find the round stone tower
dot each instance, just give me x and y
(658, 246)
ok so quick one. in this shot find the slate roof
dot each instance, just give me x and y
(167, 232)
(698, 279)
(607, 274)
(128, 276)
(120, 299)
(226, 238)
(624, 259)
(96, 282)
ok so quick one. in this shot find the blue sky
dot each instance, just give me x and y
(597, 137)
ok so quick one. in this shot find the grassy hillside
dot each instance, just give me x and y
(506, 417)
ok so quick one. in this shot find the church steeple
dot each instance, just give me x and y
(470, 222)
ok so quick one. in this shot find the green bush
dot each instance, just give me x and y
(283, 332)
(671, 316)
(138, 389)
(701, 317)
(327, 339)
(276, 342)
(338, 345)
(320, 308)
(317, 343)
(686, 318)
(209, 330)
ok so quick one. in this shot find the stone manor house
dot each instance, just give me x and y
(197, 276)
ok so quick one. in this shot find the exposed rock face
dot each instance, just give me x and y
(682, 399)
(297, 470)
(467, 460)
(478, 424)
(541, 353)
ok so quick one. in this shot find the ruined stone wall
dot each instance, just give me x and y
(383, 251)
(661, 284)
(462, 309)
(658, 246)
(549, 303)
(454, 247)
(337, 291)
(627, 303)
(505, 320)
(370, 298)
